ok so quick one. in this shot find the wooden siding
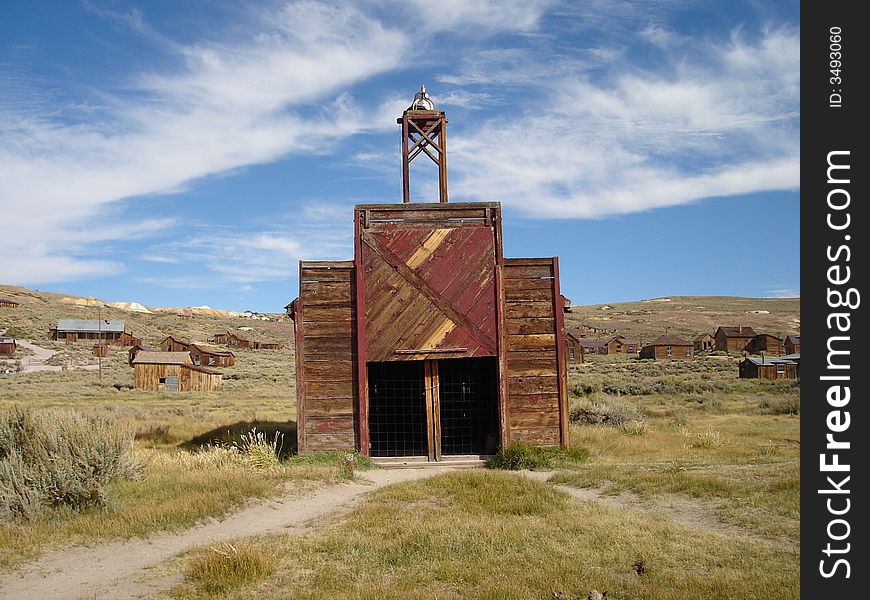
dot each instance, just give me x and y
(791, 348)
(171, 344)
(325, 355)
(763, 342)
(677, 352)
(7, 349)
(429, 278)
(705, 344)
(749, 370)
(190, 378)
(535, 408)
(208, 358)
(574, 352)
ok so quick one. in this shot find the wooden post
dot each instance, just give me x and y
(362, 378)
(561, 364)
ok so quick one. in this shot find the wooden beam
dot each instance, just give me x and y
(430, 408)
(561, 362)
(503, 389)
(362, 392)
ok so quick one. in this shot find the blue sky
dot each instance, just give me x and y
(189, 153)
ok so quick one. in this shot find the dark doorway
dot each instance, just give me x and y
(397, 409)
(468, 395)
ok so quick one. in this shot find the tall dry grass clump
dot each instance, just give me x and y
(59, 458)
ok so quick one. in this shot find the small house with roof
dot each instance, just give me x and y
(7, 346)
(792, 343)
(668, 346)
(109, 331)
(619, 344)
(704, 343)
(573, 349)
(172, 372)
(209, 357)
(9, 303)
(733, 339)
(780, 367)
(765, 343)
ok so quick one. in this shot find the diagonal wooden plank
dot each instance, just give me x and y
(437, 299)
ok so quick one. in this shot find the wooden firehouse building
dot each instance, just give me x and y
(429, 343)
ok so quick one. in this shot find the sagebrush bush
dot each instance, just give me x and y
(604, 411)
(59, 458)
(260, 450)
(780, 406)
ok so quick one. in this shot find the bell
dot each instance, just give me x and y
(422, 101)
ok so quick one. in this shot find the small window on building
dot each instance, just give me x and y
(211, 360)
(688, 351)
(670, 351)
(780, 368)
(162, 380)
(571, 353)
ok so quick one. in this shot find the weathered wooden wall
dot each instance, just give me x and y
(194, 379)
(763, 342)
(534, 368)
(325, 356)
(190, 378)
(749, 370)
(686, 352)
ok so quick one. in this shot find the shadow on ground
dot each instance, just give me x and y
(228, 434)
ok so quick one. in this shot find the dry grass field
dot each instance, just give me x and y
(679, 465)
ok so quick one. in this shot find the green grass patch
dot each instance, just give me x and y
(521, 455)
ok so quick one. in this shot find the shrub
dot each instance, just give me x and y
(522, 455)
(59, 458)
(633, 428)
(259, 450)
(780, 406)
(227, 566)
(707, 439)
(605, 411)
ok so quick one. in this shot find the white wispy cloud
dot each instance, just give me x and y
(721, 123)
(227, 105)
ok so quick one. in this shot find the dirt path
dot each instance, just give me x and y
(32, 364)
(120, 570)
(115, 570)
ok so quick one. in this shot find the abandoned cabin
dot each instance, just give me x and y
(792, 344)
(573, 348)
(591, 346)
(429, 343)
(619, 344)
(173, 344)
(9, 303)
(668, 346)
(172, 372)
(100, 349)
(136, 349)
(209, 357)
(704, 343)
(112, 332)
(780, 367)
(766, 343)
(733, 339)
(7, 346)
(229, 338)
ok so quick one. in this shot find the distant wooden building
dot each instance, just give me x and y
(766, 343)
(7, 346)
(619, 344)
(783, 367)
(112, 332)
(792, 344)
(209, 357)
(669, 346)
(172, 372)
(136, 349)
(573, 349)
(100, 349)
(733, 339)
(268, 346)
(173, 344)
(9, 303)
(566, 304)
(228, 338)
(704, 343)
(592, 346)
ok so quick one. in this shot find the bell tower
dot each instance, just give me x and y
(424, 131)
